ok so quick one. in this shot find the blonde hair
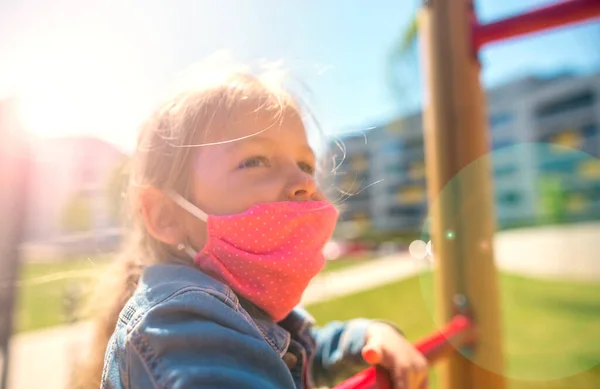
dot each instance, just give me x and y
(164, 159)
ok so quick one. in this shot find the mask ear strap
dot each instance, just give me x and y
(191, 208)
(191, 252)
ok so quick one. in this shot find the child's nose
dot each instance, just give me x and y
(303, 188)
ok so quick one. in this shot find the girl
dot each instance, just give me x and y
(228, 230)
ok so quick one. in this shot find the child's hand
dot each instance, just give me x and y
(387, 348)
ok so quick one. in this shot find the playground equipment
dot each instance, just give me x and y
(433, 348)
(455, 128)
(455, 136)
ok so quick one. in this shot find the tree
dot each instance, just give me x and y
(77, 215)
(401, 55)
(552, 199)
(116, 188)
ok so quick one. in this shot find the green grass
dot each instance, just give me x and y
(43, 287)
(552, 329)
(344, 262)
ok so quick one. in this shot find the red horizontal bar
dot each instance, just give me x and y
(551, 16)
(429, 347)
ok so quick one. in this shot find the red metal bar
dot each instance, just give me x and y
(551, 16)
(433, 348)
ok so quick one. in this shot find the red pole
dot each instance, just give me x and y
(433, 348)
(551, 16)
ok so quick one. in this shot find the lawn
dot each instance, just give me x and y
(43, 289)
(552, 329)
(42, 292)
(344, 262)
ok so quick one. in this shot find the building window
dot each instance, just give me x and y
(500, 119)
(350, 184)
(416, 171)
(411, 195)
(361, 215)
(576, 203)
(590, 131)
(592, 193)
(583, 99)
(568, 140)
(561, 166)
(414, 144)
(396, 170)
(501, 143)
(359, 163)
(589, 170)
(87, 175)
(505, 171)
(393, 146)
(509, 198)
(406, 212)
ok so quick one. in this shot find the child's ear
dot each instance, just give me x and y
(161, 216)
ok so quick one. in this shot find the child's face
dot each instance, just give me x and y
(272, 163)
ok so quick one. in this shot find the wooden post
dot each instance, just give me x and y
(14, 163)
(459, 178)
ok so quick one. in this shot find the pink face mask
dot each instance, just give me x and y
(269, 253)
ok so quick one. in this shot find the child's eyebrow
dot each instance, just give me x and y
(264, 141)
(309, 151)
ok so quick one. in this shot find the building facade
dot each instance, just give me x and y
(545, 149)
(71, 175)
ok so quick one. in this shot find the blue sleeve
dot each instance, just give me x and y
(192, 340)
(338, 350)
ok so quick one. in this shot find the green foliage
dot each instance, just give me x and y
(374, 236)
(553, 199)
(46, 289)
(77, 214)
(116, 188)
(399, 55)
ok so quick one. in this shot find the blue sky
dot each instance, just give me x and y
(98, 67)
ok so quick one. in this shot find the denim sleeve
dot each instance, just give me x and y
(194, 339)
(338, 350)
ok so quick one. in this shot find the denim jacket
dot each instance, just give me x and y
(184, 329)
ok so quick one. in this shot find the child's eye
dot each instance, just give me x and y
(307, 168)
(252, 162)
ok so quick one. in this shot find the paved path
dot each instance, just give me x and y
(361, 277)
(41, 359)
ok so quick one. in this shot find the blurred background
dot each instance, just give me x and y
(78, 77)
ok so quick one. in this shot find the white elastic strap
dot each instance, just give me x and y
(191, 208)
(191, 252)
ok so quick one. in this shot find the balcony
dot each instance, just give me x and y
(413, 196)
(409, 223)
(508, 170)
(501, 121)
(413, 154)
(566, 118)
(560, 159)
(579, 182)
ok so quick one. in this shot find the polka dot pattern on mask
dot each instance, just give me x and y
(269, 253)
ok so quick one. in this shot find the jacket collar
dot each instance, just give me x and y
(278, 335)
